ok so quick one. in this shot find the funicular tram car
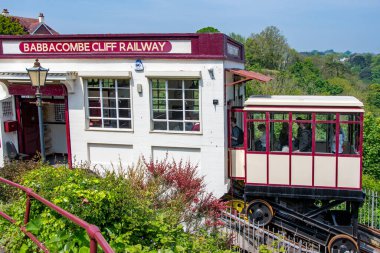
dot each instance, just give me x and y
(296, 171)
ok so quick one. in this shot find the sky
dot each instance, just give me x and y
(307, 24)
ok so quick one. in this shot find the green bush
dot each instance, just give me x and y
(371, 147)
(142, 209)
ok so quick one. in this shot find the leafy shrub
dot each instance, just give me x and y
(141, 209)
(371, 147)
(13, 171)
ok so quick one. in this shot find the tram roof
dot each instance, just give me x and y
(301, 101)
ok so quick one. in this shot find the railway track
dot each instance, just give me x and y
(289, 240)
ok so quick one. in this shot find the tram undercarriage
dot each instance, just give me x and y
(317, 215)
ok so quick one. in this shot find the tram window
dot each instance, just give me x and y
(351, 143)
(301, 116)
(302, 136)
(256, 115)
(324, 138)
(349, 117)
(279, 116)
(324, 116)
(279, 136)
(256, 136)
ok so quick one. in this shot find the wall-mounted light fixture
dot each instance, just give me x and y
(139, 88)
(211, 73)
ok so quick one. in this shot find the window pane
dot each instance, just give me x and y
(159, 104)
(191, 94)
(109, 93)
(176, 115)
(256, 136)
(159, 114)
(95, 123)
(349, 117)
(256, 115)
(324, 138)
(124, 103)
(279, 136)
(123, 83)
(123, 93)
(192, 115)
(175, 104)
(109, 113)
(192, 84)
(301, 116)
(302, 137)
(94, 102)
(93, 83)
(351, 138)
(125, 124)
(175, 94)
(192, 126)
(159, 94)
(176, 126)
(93, 92)
(160, 125)
(110, 123)
(158, 84)
(192, 105)
(95, 112)
(325, 116)
(109, 103)
(175, 84)
(124, 113)
(279, 115)
(108, 83)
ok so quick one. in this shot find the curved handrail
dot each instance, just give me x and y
(93, 231)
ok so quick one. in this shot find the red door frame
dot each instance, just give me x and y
(50, 90)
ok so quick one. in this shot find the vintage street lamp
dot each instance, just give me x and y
(37, 75)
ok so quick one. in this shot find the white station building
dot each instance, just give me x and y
(114, 98)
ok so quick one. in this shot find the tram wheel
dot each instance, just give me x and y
(342, 243)
(260, 212)
(236, 205)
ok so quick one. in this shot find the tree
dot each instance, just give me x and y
(238, 37)
(10, 26)
(208, 29)
(267, 49)
(374, 95)
(371, 147)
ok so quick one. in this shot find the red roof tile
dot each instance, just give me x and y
(32, 24)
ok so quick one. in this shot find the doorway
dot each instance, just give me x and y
(55, 122)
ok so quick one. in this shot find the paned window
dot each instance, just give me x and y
(109, 103)
(7, 109)
(175, 105)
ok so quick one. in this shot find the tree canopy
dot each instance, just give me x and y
(208, 29)
(10, 26)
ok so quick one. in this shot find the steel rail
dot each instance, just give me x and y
(96, 237)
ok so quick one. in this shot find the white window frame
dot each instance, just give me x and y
(87, 116)
(166, 79)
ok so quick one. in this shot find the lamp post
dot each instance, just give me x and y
(37, 75)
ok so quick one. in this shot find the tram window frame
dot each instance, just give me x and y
(278, 118)
(306, 118)
(256, 118)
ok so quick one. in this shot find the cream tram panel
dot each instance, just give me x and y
(302, 170)
(278, 169)
(237, 163)
(349, 172)
(324, 171)
(257, 168)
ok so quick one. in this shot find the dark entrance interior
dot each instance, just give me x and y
(55, 117)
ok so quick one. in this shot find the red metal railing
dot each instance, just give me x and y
(96, 238)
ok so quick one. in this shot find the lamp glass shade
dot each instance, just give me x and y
(37, 75)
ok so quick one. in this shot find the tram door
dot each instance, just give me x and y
(30, 133)
(236, 145)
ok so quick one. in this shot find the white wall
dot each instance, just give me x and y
(6, 137)
(100, 145)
